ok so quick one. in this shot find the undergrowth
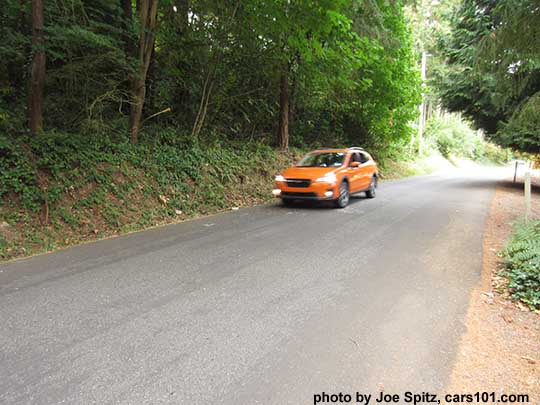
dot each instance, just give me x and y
(522, 263)
(60, 189)
(452, 136)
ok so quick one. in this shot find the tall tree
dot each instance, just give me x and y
(147, 16)
(461, 87)
(299, 32)
(37, 73)
(284, 108)
(493, 77)
(511, 51)
(329, 71)
(220, 44)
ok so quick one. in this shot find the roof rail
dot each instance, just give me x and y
(356, 148)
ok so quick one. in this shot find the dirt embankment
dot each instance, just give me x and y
(500, 352)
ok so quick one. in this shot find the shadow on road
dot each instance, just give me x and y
(476, 184)
(491, 183)
(518, 185)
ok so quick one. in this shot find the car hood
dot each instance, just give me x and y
(307, 172)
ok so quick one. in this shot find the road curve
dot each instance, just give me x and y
(263, 305)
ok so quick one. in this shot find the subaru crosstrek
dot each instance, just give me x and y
(328, 174)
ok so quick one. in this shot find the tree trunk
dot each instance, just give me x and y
(283, 129)
(129, 46)
(209, 84)
(128, 10)
(147, 11)
(205, 98)
(129, 49)
(181, 16)
(149, 104)
(37, 74)
(138, 93)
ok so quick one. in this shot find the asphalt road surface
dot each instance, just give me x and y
(264, 305)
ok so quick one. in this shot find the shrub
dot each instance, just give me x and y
(522, 256)
(452, 136)
(77, 183)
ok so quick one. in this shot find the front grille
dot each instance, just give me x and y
(298, 195)
(298, 183)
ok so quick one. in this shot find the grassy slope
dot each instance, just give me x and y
(66, 189)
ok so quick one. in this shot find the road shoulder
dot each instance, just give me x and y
(499, 351)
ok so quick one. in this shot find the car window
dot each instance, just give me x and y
(322, 159)
(355, 157)
(363, 158)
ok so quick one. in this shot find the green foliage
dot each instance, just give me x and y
(522, 131)
(17, 174)
(522, 257)
(451, 136)
(101, 183)
(492, 153)
(14, 52)
(87, 68)
(351, 67)
(373, 97)
(493, 71)
(460, 86)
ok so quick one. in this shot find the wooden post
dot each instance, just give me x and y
(515, 171)
(527, 196)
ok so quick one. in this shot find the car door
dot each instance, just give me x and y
(367, 168)
(355, 173)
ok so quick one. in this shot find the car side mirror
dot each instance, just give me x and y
(355, 164)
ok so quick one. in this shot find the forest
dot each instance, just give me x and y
(336, 71)
(117, 115)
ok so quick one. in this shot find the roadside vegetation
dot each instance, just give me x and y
(452, 137)
(522, 264)
(63, 189)
(486, 66)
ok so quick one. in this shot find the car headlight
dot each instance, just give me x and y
(327, 178)
(279, 177)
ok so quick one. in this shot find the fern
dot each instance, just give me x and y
(522, 257)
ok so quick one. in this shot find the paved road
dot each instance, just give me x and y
(263, 305)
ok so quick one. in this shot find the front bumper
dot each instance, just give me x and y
(316, 191)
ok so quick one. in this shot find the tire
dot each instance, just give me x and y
(287, 202)
(371, 192)
(343, 200)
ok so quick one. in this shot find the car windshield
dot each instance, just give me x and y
(323, 159)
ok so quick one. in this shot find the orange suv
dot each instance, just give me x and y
(328, 174)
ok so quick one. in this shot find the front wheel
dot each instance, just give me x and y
(287, 202)
(370, 193)
(343, 199)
